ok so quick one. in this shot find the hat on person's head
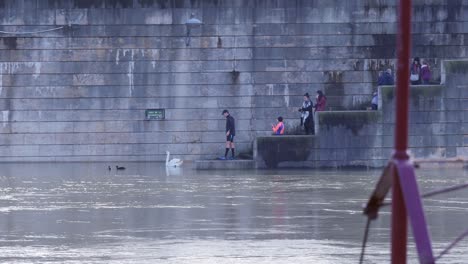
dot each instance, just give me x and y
(225, 111)
(306, 95)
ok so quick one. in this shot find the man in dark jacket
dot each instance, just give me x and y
(386, 78)
(230, 133)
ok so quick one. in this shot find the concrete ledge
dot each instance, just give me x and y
(387, 93)
(350, 120)
(224, 164)
(284, 151)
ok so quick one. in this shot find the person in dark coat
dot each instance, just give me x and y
(386, 78)
(230, 133)
(307, 116)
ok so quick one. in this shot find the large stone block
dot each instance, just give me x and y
(353, 121)
(271, 151)
(224, 165)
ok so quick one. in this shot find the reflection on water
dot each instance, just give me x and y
(82, 213)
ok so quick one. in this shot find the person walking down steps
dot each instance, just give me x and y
(230, 133)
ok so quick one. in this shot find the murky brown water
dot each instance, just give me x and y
(82, 213)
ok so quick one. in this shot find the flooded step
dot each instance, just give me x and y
(224, 164)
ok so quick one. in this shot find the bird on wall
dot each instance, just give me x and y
(119, 168)
(172, 162)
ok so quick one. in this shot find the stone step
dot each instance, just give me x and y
(224, 164)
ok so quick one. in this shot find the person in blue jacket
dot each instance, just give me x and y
(386, 78)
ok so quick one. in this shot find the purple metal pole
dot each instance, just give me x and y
(414, 209)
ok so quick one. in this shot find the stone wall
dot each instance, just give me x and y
(438, 129)
(80, 92)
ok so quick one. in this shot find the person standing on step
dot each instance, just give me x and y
(321, 101)
(386, 78)
(230, 133)
(425, 73)
(415, 73)
(307, 117)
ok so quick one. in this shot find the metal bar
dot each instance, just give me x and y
(399, 218)
(402, 91)
(414, 210)
(378, 196)
(453, 244)
(445, 190)
(364, 240)
(436, 192)
(399, 222)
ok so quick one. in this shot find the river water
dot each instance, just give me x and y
(84, 213)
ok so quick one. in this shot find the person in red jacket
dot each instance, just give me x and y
(321, 102)
(278, 129)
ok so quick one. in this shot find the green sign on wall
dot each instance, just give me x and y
(155, 114)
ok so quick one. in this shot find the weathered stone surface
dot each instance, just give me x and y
(224, 164)
(272, 150)
(90, 82)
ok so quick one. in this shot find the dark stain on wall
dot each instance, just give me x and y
(334, 83)
(353, 121)
(10, 42)
(211, 3)
(386, 40)
(358, 65)
(88, 3)
(454, 7)
(153, 3)
(119, 3)
(235, 76)
(196, 3)
(188, 4)
(69, 30)
(372, 5)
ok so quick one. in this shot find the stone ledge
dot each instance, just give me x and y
(352, 120)
(387, 93)
(284, 151)
(224, 164)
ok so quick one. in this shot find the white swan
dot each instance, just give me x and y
(173, 162)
